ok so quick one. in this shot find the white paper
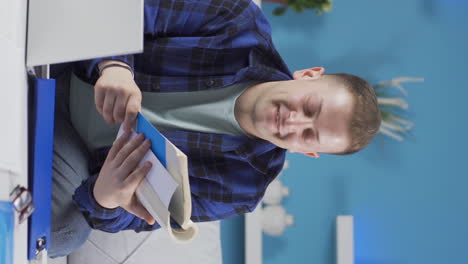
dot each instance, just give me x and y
(148, 200)
(159, 178)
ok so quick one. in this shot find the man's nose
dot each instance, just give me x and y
(298, 120)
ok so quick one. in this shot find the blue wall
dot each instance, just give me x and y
(409, 198)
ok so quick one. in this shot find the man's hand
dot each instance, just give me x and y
(117, 96)
(119, 177)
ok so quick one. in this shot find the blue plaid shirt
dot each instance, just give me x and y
(194, 45)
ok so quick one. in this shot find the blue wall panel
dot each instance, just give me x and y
(409, 198)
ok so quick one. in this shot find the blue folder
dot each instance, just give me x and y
(41, 137)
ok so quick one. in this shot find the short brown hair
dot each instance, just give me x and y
(366, 119)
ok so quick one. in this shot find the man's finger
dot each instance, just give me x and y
(108, 108)
(119, 108)
(134, 179)
(129, 147)
(118, 145)
(133, 107)
(132, 160)
(99, 95)
(137, 209)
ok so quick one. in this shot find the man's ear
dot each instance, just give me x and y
(313, 154)
(309, 74)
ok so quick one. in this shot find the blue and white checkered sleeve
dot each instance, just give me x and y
(108, 220)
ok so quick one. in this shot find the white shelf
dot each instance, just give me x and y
(344, 239)
(253, 236)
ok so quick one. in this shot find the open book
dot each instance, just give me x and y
(165, 192)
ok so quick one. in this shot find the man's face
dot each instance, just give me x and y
(304, 115)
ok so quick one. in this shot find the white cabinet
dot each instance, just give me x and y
(66, 30)
(55, 31)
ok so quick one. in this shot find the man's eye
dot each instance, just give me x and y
(308, 108)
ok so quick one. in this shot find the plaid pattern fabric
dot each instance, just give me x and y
(193, 46)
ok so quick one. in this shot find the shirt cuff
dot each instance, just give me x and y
(88, 205)
(93, 71)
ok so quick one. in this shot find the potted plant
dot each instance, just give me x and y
(299, 5)
(392, 108)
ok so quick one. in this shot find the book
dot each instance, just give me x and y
(165, 191)
(40, 142)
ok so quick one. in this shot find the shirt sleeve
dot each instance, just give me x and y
(108, 220)
(216, 21)
(204, 210)
(115, 220)
(88, 69)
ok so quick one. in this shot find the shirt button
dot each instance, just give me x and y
(210, 82)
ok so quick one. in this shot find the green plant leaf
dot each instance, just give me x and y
(297, 7)
(280, 11)
(311, 4)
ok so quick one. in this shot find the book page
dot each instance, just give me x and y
(158, 177)
(181, 204)
(150, 200)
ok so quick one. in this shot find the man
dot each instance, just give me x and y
(211, 80)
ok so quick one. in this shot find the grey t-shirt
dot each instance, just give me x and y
(203, 111)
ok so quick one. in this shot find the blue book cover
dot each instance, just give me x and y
(41, 137)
